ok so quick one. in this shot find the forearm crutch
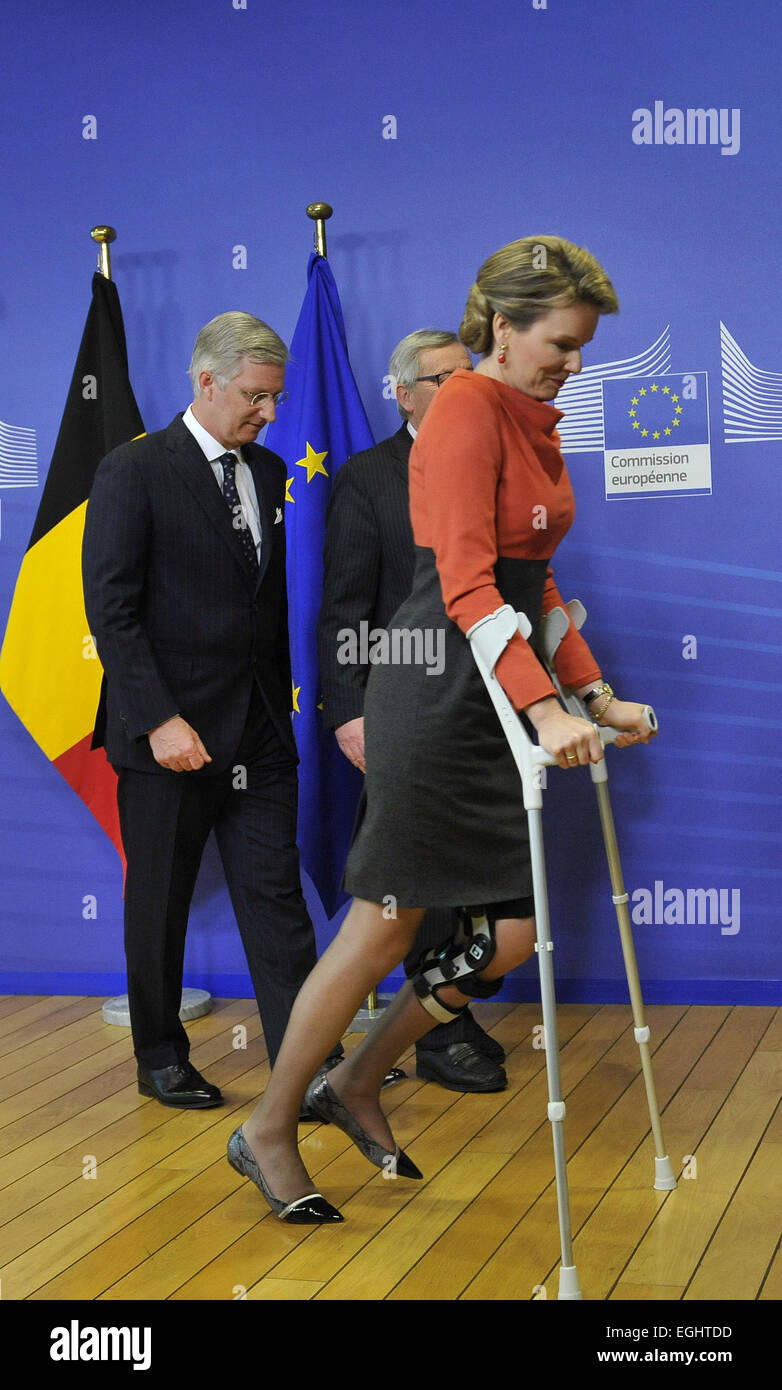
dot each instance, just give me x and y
(488, 639)
(551, 630)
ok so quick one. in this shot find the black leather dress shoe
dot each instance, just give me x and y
(460, 1067)
(179, 1085)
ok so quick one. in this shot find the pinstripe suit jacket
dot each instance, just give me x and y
(181, 624)
(368, 562)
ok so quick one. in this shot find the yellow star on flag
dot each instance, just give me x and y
(655, 434)
(313, 462)
(296, 689)
(288, 497)
(644, 433)
(655, 387)
(666, 390)
(642, 391)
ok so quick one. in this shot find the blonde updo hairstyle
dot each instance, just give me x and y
(525, 279)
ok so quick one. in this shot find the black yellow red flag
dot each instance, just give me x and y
(49, 670)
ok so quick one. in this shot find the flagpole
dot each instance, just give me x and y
(320, 213)
(103, 236)
(195, 1002)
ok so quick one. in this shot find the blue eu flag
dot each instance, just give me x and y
(320, 425)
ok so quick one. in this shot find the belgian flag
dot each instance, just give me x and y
(49, 670)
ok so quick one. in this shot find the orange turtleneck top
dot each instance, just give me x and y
(484, 464)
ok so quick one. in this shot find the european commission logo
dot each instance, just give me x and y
(18, 457)
(751, 397)
(656, 435)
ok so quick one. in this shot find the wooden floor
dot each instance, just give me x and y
(105, 1195)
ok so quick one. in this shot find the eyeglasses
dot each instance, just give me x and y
(439, 377)
(264, 398)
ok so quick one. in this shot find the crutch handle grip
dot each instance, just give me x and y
(609, 735)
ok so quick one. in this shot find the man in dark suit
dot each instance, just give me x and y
(185, 591)
(369, 560)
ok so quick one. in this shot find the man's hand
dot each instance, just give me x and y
(350, 738)
(176, 746)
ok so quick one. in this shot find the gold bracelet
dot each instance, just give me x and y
(598, 714)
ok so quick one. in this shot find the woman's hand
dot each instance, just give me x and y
(627, 716)
(572, 741)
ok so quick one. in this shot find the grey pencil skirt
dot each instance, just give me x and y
(441, 821)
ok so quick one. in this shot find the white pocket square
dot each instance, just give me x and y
(278, 517)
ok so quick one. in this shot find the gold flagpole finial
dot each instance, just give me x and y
(104, 235)
(320, 212)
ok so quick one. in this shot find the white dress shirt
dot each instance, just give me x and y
(245, 486)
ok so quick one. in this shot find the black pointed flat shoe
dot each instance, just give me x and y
(321, 1101)
(312, 1210)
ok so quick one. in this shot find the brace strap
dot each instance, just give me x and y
(457, 964)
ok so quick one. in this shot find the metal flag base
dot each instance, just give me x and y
(195, 1002)
(368, 1017)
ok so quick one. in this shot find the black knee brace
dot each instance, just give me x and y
(457, 964)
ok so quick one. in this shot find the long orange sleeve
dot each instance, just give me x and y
(487, 480)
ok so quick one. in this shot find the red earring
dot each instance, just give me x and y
(501, 353)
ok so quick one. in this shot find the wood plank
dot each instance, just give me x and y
(381, 1263)
(723, 1060)
(739, 1036)
(622, 1215)
(736, 1259)
(90, 1026)
(579, 1052)
(672, 1249)
(82, 1112)
(66, 1080)
(11, 1003)
(94, 1044)
(176, 1141)
(46, 1021)
(772, 1284)
(39, 1008)
(647, 1293)
(284, 1290)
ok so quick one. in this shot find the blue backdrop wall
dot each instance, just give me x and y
(439, 131)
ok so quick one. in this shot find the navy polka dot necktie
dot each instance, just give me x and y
(231, 495)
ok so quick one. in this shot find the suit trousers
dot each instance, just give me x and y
(165, 819)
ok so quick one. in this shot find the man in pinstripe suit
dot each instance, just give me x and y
(369, 559)
(184, 581)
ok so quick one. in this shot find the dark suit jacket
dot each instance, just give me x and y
(180, 623)
(368, 560)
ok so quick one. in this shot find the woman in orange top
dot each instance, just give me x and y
(442, 820)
